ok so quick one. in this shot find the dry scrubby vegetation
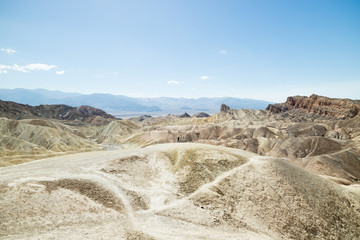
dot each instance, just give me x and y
(87, 188)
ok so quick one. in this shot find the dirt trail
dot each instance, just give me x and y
(137, 194)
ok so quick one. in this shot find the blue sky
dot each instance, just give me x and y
(190, 48)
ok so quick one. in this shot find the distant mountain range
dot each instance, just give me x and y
(122, 106)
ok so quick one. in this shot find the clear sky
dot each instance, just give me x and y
(262, 49)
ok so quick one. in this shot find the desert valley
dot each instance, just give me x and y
(288, 172)
(179, 120)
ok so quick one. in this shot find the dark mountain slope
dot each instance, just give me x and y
(14, 110)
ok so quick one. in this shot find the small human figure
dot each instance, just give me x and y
(178, 139)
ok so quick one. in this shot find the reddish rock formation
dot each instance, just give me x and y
(341, 108)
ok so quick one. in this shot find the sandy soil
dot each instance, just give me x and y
(173, 191)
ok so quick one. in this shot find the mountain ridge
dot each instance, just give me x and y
(122, 105)
(18, 111)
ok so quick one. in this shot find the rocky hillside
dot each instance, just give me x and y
(30, 139)
(18, 111)
(341, 108)
(287, 173)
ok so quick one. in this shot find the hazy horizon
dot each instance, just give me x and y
(130, 96)
(139, 96)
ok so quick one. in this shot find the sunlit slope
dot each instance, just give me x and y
(24, 140)
(174, 191)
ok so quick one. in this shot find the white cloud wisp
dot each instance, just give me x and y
(173, 82)
(28, 67)
(38, 67)
(8, 50)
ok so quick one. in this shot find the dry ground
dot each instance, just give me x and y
(173, 191)
(238, 174)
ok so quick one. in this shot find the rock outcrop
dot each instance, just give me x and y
(185, 115)
(340, 108)
(18, 111)
(224, 108)
(227, 112)
(201, 115)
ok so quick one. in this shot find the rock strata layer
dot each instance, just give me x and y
(341, 108)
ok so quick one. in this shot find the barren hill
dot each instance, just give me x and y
(180, 191)
(237, 174)
(29, 139)
(14, 110)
